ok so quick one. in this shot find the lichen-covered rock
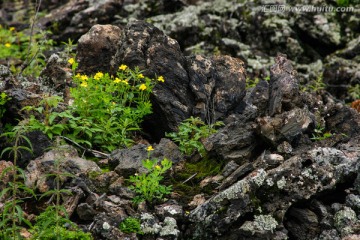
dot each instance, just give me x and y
(262, 227)
(149, 224)
(169, 228)
(65, 158)
(171, 209)
(226, 207)
(345, 220)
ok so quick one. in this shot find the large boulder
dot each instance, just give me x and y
(207, 87)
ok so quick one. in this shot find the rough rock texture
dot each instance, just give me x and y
(218, 84)
(209, 88)
(102, 40)
(64, 158)
(127, 162)
(75, 18)
(291, 158)
(284, 86)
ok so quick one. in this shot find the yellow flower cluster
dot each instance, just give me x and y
(98, 75)
(123, 67)
(84, 84)
(150, 148)
(140, 75)
(161, 79)
(142, 87)
(71, 61)
(12, 29)
(83, 78)
(117, 80)
(7, 45)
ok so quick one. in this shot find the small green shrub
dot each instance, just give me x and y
(354, 91)
(3, 99)
(50, 124)
(12, 216)
(320, 134)
(190, 132)
(131, 225)
(250, 83)
(109, 109)
(19, 46)
(105, 113)
(51, 226)
(147, 185)
(315, 85)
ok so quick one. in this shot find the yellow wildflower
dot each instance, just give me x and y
(7, 45)
(123, 67)
(12, 29)
(126, 82)
(140, 75)
(84, 84)
(78, 75)
(149, 148)
(71, 61)
(161, 79)
(84, 77)
(117, 80)
(142, 87)
(157, 167)
(98, 75)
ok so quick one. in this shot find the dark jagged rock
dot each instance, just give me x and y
(56, 74)
(286, 126)
(75, 18)
(234, 142)
(319, 170)
(96, 48)
(143, 45)
(302, 223)
(68, 160)
(129, 161)
(218, 84)
(284, 86)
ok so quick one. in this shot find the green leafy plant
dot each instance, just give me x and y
(190, 132)
(3, 99)
(131, 225)
(50, 124)
(343, 3)
(315, 85)
(250, 83)
(354, 91)
(109, 109)
(147, 185)
(320, 134)
(12, 216)
(19, 47)
(105, 112)
(50, 223)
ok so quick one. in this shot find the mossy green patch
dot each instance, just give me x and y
(204, 168)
